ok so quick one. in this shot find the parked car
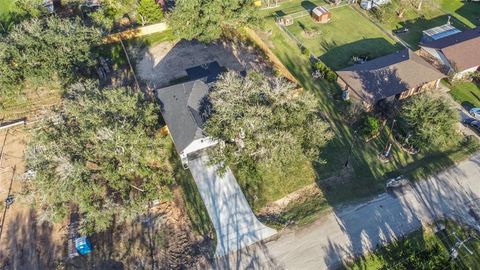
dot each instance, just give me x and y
(475, 113)
(400, 31)
(473, 124)
(397, 182)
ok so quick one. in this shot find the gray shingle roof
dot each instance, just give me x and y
(388, 75)
(182, 106)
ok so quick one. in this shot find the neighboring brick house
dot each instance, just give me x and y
(397, 75)
(459, 52)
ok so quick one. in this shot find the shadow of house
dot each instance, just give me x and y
(397, 75)
(339, 56)
(308, 6)
(418, 25)
(470, 11)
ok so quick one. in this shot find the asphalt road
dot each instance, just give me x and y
(357, 229)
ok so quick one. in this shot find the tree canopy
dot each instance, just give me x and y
(207, 20)
(37, 51)
(263, 121)
(431, 120)
(102, 153)
(149, 11)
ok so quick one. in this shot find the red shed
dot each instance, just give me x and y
(321, 14)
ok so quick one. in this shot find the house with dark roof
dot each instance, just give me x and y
(184, 108)
(397, 75)
(459, 52)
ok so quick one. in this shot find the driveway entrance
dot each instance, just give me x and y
(235, 224)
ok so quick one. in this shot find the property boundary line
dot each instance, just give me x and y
(271, 56)
(399, 40)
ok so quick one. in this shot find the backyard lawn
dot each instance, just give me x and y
(467, 12)
(366, 174)
(415, 21)
(347, 34)
(466, 93)
(419, 245)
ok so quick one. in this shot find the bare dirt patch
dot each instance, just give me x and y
(167, 61)
(164, 239)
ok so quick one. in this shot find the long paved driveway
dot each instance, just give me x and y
(235, 224)
(357, 229)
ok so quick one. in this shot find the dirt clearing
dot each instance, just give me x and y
(167, 61)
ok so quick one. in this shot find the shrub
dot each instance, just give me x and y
(331, 76)
(326, 72)
(305, 51)
(370, 127)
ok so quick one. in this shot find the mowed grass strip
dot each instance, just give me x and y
(347, 34)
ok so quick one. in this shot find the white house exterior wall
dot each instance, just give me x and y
(196, 145)
(465, 72)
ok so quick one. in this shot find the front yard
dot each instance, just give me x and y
(365, 174)
(466, 94)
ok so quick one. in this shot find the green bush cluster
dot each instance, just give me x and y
(305, 51)
(327, 73)
(370, 127)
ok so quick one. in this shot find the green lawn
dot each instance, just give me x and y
(194, 204)
(415, 21)
(6, 7)
(366, 174)
(466, 93)
(467, 12)
(419, 242)
(347, 34)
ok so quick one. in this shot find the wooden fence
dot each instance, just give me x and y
(137, 32)
(272, 57)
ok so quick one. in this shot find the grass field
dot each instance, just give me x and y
(347, 34)
(415, 21)
(421, 241)
(366, 174)
(5, 8)
(466, 93)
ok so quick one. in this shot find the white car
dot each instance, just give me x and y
(397, 182)
(475, 113)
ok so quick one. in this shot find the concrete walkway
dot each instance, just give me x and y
(358, 229)
(235, 224)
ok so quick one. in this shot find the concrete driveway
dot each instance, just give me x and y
(354, 230)
(235, 224)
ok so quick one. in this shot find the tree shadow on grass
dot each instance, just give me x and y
(193, 202)
(340, 56)
(470, 11)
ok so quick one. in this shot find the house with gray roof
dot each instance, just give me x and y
(184, 108)
(397, 75)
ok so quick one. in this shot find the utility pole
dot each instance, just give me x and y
(130, 64)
